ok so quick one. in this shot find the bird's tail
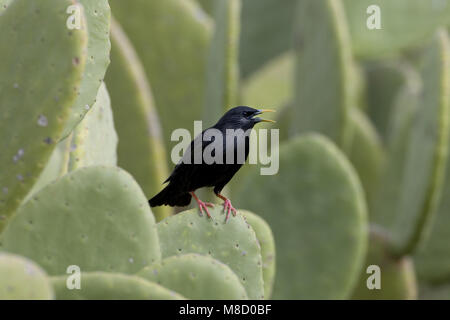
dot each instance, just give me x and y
(168, 196)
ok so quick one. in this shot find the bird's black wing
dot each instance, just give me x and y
(185, 177)
(188, 176)
(225, 172)
(186, 168)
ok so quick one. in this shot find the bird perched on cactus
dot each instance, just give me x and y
(211, 160)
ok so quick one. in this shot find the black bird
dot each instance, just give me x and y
(190, 175)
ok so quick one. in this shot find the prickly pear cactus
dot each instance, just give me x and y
(284, 118)
(383, 207)
(266, 32)
(140, 150)
(272, 85)
(222, 65)
(97, 23)
(328, 200)
(267, 244)
(112, 286)
(196, 277)
(397, 29)
(324, 60)
(94, 140)
(426, 150)
(384, 82)
(397, 279)
(95, 217)
(432, 259)
(233, 244)
(44, 109)
(56, 167)
(181, 32)
(366, 152)
(22, 279)
(363, 118)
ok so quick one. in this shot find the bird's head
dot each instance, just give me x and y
(242, 118)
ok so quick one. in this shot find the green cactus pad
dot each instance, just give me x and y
(324, 65)
(95, 217)
(56, 167)
(174, 58)
(432, 259)
(267, 244)
(397, 276)
(404, 23)
(384, 81)
(196, 277)
(366, 152)
(112, 286)
(94, 140)
(222, 72)
(233, 243)
(271, 86)
(427, 150)
(266, 32)
(284, 120)
(98, 16)
(405, 106)
(40, 108)
(316, 209)
(136, 120)
(358, 86)
(387, 193)
(22, 279)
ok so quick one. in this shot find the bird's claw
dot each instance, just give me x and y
(204, 205)
(227, 207)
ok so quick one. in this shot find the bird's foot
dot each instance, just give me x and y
(204, 205)
(227, 207)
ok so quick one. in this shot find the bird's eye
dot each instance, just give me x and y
(247, 113)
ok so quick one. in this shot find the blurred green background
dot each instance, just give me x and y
(361, 89)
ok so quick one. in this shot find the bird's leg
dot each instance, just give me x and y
(227, 207)
(202, 205)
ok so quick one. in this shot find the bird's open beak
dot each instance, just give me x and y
(264, 120)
